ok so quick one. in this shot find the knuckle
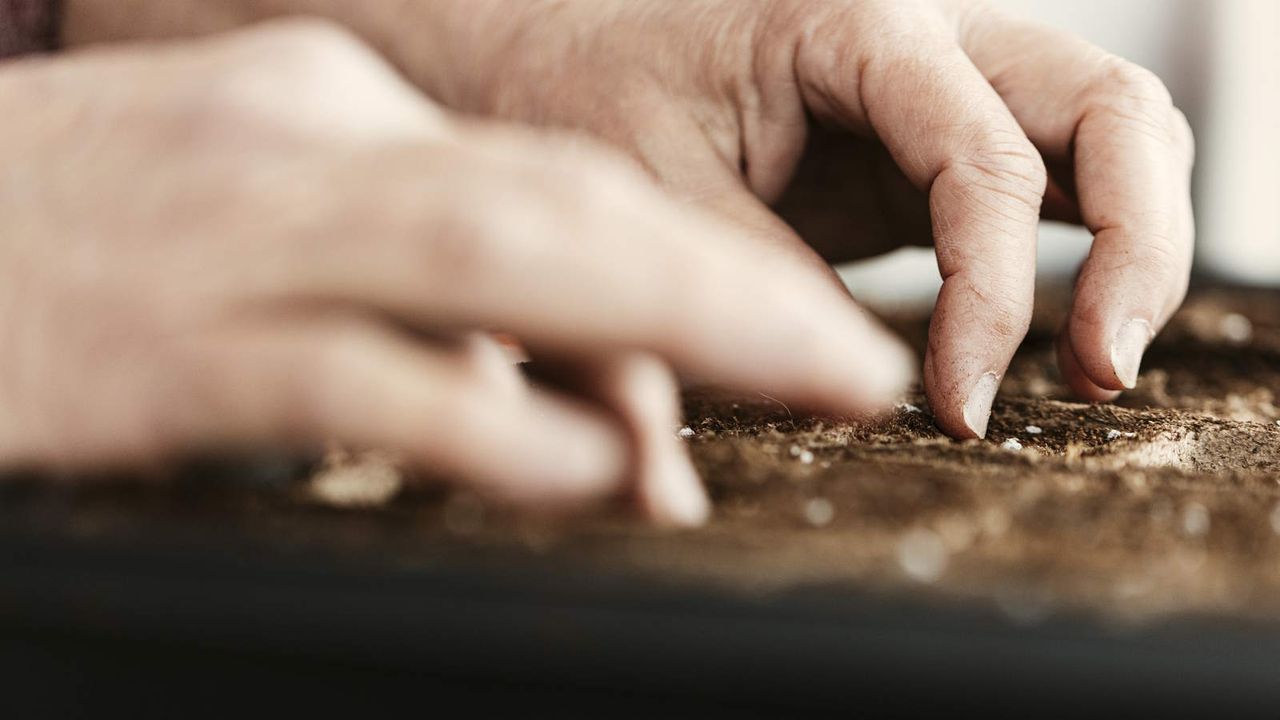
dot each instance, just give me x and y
(1159, 259)
(1010, 317)
(1121, 78)
(302, 43)
(1136, 97)
(1005, 163)
(310, 61)
(1003, 304)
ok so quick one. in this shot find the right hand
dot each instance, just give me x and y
(267, 237)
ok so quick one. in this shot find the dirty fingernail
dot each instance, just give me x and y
(977, 409)
(1127, 349)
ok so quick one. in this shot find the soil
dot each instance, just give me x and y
(1167, 502)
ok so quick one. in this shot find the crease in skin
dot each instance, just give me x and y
(977, 408)
(1127, 349)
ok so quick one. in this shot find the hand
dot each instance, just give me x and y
(268, 237)
(931, 121)
(869, 123)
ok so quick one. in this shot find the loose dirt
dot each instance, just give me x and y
(1167, 502)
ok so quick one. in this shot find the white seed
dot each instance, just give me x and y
(819, 512)
(1011, 444)
(795, 451)
(1033, 430)
(1236, 328)
(1114, 434)
(685, 433)
(908, 407)
(1195, 519)
(806, 457)
(923, 555)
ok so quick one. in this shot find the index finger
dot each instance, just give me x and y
(951, 135)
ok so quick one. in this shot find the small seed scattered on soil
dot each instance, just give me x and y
(1011, 444)
(806, 457)
(908, 407)
(1114, 434)
(1033, 430)
(685, 433)
(819, 512)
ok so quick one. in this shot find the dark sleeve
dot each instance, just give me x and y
(27, 26)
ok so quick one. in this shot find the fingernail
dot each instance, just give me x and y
(1127, 349)
(977, 409)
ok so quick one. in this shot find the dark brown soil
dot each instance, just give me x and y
(1166, 502)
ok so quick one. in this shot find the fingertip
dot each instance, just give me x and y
(871, 369)
(961, 405)
(1127, 348)
(1108, 351)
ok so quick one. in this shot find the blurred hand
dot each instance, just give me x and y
(268, 237)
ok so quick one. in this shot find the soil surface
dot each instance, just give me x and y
(1167, 502)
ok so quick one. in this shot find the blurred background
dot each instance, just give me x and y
(1221, 61)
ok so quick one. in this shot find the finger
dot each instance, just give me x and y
(358, 383)
(950, 134)
(642, 392)
(576, 258)
(1132, 153)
